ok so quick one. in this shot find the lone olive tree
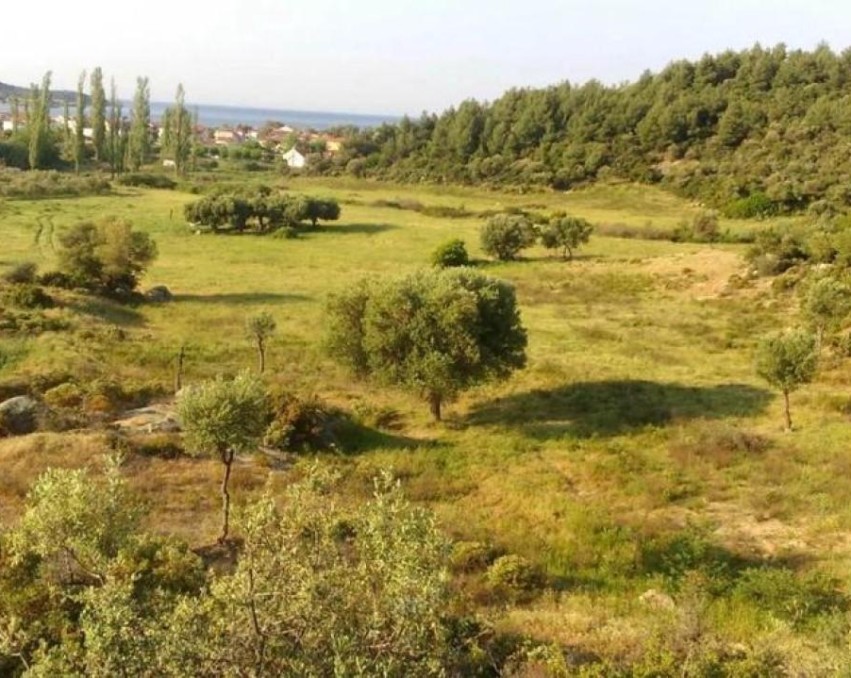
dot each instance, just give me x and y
(787, 361)
(260, 328)
(434, 332)
(565, 233)
(221, 418)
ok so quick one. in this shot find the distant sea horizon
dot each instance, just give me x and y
(214, 115)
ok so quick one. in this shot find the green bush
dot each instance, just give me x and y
(515, 576)
(796, 598)
(26, 295)
(504, 236)
(147, 180)
(24, 272)
(451, 253)
(756, 205)
(300, 424)
(472, 556)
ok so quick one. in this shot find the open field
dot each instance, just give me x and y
(637, 448)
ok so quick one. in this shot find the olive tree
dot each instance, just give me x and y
(566, 234)
(435, 332)
(825, 305)
(504, 235)
(221, 418)
(787, 361)
(259, 328)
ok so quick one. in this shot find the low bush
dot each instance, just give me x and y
(451, 253)
(472, 556)
(38, 184)
(147, 180)
(24, 272)
(27, 295)
(300, 424)
(515, 577)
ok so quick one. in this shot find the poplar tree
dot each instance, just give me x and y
(38, 122)
(98, 113)
(115, 144)
(177, 139)
(79, 124)
(16, 113)
(140, 135)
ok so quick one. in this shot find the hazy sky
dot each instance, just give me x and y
(383, 56)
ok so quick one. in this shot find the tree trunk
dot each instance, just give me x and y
(261, 356)
(788, 414)
(178, 376)
(227, 460)
(434, 401)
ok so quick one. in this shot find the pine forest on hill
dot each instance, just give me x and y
(769, 124)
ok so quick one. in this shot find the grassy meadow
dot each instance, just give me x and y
(638, 450)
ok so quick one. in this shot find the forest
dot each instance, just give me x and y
(756, 132)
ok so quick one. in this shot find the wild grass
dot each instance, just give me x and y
(638, 427)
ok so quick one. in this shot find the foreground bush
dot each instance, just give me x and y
(316, 589)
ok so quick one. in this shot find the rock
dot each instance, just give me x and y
(657, 600)
(19, 415)
(155, 419)
(159, 294)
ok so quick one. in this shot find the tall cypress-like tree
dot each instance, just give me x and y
(15, 106)
(177, 140)
(79, 124)
(98, 114)
(38, 122)
(117, 137)
(140, 129)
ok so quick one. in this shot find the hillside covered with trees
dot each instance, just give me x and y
(761, 131)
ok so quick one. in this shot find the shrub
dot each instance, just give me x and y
(566, 234)
(26, 295)
(756, 205)
(106, 257)
(451, 253)
(24, 272)
(515, 576)
(299, 424)
(775, 251)
(503, 236)
(147, 180)
(471, 556)
(65, 395)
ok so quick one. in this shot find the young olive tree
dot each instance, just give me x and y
(504, 235)
(259, 329)
(221, 418)
(825, 305)
(566, 234)
(787, 361)
(434, 332)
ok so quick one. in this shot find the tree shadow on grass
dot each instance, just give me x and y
(240, 298)
(357, 229)
(110, 311)
(355, 438)
(609, 408)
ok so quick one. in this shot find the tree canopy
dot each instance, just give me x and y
(434, 332)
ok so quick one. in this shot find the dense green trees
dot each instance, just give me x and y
(261, 210)
(178, 133)
(436, 332)
(766, 122)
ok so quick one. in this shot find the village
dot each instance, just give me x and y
(293, 145)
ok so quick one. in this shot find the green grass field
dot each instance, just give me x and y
(637, 448)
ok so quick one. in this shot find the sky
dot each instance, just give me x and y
(387, 56)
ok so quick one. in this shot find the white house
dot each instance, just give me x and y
(294, 159)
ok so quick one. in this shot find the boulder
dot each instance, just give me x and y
(657, 600)
(19, 415)
(159, 294)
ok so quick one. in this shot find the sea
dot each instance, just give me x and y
(221, 116)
